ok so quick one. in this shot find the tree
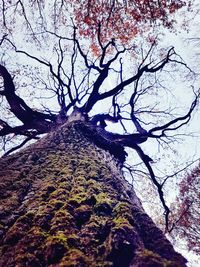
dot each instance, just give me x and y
(187, 211)
(74, 208)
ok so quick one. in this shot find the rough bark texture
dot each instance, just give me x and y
(64, 202)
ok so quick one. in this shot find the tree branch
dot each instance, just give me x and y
(19, 146)
(29, 117)
(166, 126)
(145, 158)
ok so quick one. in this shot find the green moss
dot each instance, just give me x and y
(37, 231)
(104, 197)
(77, 199)
(95, 232)
(93, 174)
(104, 204)
(149, 259)
(62, 217)
(74, 258)
(59, 238)
(55, 248)
(92, 187)
(123, 210)
(27, 218)
(64, 184)
(62, 221)
(122, 223)
(57, 204)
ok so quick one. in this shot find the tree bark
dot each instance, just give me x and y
(65, 202)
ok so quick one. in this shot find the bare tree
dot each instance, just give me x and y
(70, 94)
(83, 79)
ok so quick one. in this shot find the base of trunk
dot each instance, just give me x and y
(64, 202)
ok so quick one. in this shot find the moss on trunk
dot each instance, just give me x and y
(64, 202)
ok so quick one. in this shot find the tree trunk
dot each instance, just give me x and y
(64, 202)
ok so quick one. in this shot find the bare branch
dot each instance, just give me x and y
(137, 76)
(166, 126)
(145, 158)
(30, 118)
(19, 146)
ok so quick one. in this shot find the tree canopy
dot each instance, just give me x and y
(99, 58)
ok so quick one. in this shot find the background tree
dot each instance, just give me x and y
(186, 211)
(82, 75)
